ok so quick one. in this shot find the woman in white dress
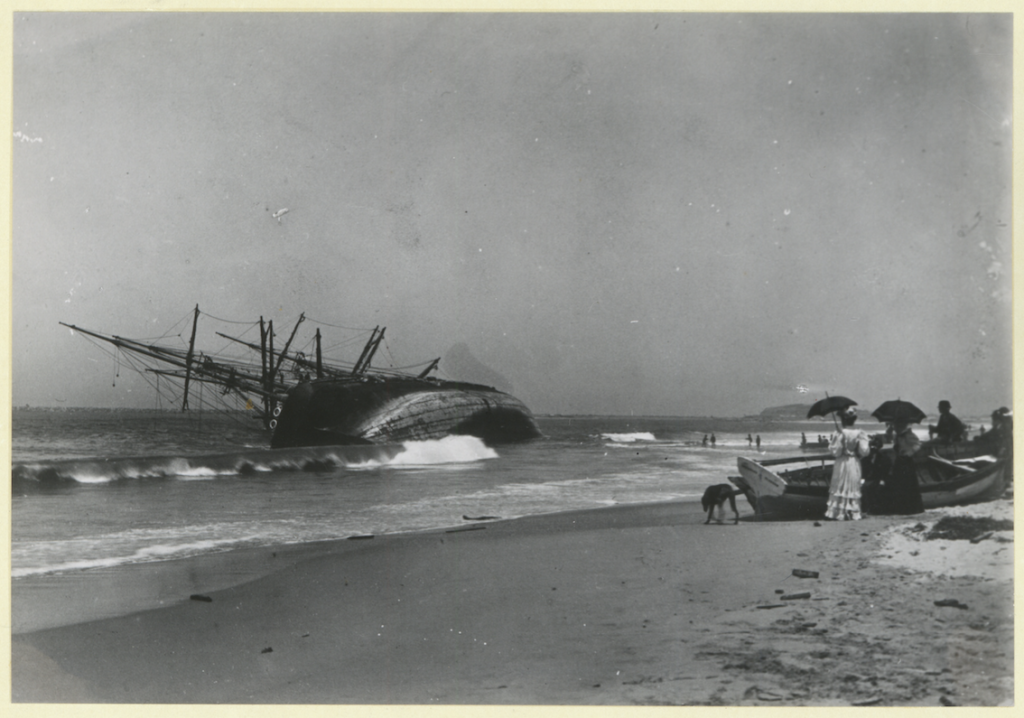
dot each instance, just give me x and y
(849, 446)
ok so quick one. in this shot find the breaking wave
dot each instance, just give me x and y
(448, 450)
(146, 554)
(629, 438)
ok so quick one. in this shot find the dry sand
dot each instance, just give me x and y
(631, 605)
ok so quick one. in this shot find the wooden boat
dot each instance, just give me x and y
(797, 487)
(307, 401)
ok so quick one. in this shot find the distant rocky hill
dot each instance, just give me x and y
(790, 412)
(459, 362)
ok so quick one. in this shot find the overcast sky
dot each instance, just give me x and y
(653, 213)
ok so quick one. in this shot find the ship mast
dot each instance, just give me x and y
(188, 359)
(359, 361)
(284, 352)
(368, 351)
(433, 365)
(266, 344)
(319, 358)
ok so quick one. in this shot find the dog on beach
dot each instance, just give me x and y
(715, 498)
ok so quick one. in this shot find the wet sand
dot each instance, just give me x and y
(630, 605)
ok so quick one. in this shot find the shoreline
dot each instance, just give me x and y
(635, 604)
(124, 589)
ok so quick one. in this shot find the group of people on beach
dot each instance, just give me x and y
(864, 479)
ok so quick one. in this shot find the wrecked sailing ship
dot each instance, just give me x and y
(307, 401)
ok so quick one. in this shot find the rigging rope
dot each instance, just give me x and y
(337, 326)
(226, 321)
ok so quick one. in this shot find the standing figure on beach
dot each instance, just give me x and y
(705, 442)
(849, 446)
(750, 440)
(1001, 434)
(713, 438)
(875, 468)
(758, 442)
(902, 495)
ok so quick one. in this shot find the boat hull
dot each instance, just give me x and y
(983, 484)
(774, 498)
(797, 488)
(331, 412)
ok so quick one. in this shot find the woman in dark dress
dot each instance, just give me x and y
(901, 494)
(875, 469)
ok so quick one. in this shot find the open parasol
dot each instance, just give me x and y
(898, 411)
(829, 405)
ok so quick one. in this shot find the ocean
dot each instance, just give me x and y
(98, 489)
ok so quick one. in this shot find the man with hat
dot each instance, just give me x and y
(950, 429)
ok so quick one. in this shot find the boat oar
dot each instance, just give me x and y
(946, 463)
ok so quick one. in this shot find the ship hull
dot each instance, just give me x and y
(332, 412)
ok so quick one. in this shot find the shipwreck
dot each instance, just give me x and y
(303, 399)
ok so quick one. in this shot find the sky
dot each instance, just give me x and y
(657, 214)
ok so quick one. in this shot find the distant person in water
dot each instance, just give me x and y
(750, 440)
(949, 429)
(849, 446)
(758, 442)
(705, 442)
(712, 438)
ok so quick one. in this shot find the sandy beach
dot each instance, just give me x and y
(623, 606)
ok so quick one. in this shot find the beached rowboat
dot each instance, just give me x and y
(797, 487)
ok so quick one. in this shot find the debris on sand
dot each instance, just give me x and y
(803, 573)
(953, 528)
(958, 541)
(982, 537)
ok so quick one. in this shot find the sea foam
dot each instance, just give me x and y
(447, 450)
(629, 438)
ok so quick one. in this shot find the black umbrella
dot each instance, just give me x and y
(829, 405)
(897, 410)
